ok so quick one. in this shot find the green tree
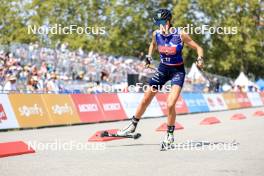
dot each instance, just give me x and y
(230, 54)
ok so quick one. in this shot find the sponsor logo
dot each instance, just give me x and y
(179, 103)
(163, 104)
(211, 102)
(220, 102)
(177, 77)
(190, 102)
(2, 113)
(243, 100)
(111, 107)
(88, 107)
(131, 104)
(62, 109)
(168, 50)
(201, 102)
(30, 110)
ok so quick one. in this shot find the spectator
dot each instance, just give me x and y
(10, 84)
(33, 85)
(52, 84)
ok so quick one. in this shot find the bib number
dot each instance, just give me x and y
(166, 59)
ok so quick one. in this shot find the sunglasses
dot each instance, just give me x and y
(160, 22)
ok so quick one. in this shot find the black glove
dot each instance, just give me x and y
(148, 60)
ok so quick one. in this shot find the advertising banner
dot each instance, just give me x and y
(215, 102)
(195, 102)
(60, 108)
(230, 100)
(7, 116)
(181, 107)
(130, 101)
(30, 110)
(262, 96)
(111, 106)
(243, 99)
(255, 99)
(88, 107)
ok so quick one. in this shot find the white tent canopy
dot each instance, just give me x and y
(195, 74)
(242, 80)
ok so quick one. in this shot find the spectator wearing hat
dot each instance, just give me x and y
(33, 84)
(52, 84)
(10, 85)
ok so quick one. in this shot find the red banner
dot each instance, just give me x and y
(243, 100)
(180, 106)
(88, 107)
(111, 107)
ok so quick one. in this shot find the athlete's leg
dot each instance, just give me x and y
(148, 96)
(155, 83)
(177, 83)
(171, 102)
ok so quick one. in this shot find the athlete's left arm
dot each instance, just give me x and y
(188, 41)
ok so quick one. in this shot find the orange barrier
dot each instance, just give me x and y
(238, 117)
(210, 121)
(164, 127)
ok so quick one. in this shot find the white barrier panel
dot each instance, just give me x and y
(215, 102)
(255, 99)
(7, 116)
(130, 101)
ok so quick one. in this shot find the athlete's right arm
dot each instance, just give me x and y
(152, 44)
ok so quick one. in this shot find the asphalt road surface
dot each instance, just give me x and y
(229, 148)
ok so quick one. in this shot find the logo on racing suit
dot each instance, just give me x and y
(168, 50)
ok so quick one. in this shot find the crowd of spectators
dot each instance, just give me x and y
(31, 68)
(35, 69)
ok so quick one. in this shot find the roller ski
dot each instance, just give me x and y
(127, 132)
(132, 136)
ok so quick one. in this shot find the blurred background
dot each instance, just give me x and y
(90, 63)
